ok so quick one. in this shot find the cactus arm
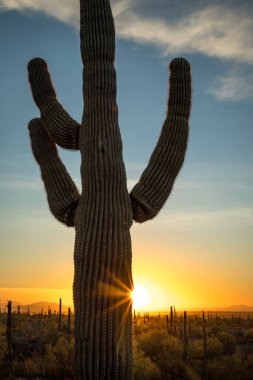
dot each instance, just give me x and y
(62, 129)
(150, 193)
(62, 194)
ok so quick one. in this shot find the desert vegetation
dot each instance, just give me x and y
(173, 345)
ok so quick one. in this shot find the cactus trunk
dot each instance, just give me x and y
(102, 280)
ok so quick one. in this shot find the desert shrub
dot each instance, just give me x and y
(213, 328)
(191, 374)
(228, 342)
(196, 350)
(151, 342)
(30, 367)
(63, 351)
(55, 362)
(172, 348)
(248, 365)
(141, 327)
(50, 360)
(197, 330)
(178, 370)
(214, 347)
(144, 367)
(3, 344)
(3, 348)
(227, 368)
(249, 333)
(166, 352)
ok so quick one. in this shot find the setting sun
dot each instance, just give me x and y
(140, 297)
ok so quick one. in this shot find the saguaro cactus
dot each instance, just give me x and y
(102, 215)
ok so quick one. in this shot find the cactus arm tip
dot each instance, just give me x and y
(61, 191)
(151, 192)
(62, 129)
(179, 101)
(40, 81)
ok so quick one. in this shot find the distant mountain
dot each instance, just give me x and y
(232, 308)
(14, 304)
(37, 307)
(240, 308)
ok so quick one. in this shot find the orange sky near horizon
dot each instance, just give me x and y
(180, 272)
(174, 271)
(178, 277)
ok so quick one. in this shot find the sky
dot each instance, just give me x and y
(198, 251)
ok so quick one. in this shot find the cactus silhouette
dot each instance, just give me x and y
(102, 215)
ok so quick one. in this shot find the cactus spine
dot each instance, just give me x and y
(102, 215)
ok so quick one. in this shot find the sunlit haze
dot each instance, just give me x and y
(141, 297)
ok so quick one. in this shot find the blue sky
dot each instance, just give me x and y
(204, 233)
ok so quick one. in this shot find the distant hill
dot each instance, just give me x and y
(3, 305)
(231, 308)
(37, 307)
(240, 308)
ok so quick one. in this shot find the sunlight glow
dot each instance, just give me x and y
(140, 297)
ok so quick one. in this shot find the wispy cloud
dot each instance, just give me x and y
(121, 6)
(222, 218)
(13, 182)
(17, 183)
(64, 10)
(213, 30)
(232, 87)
